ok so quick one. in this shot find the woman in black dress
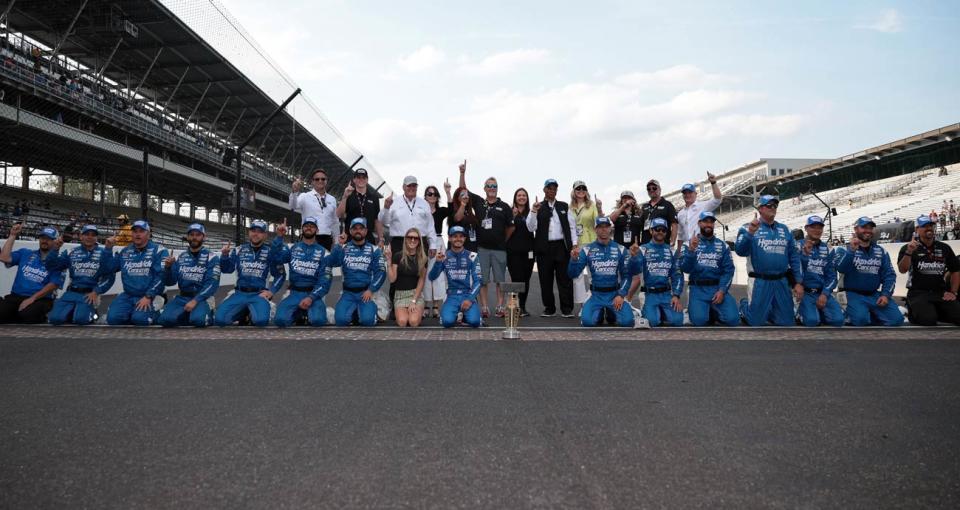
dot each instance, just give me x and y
(520, 247)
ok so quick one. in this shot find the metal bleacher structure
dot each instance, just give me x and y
(128, 96)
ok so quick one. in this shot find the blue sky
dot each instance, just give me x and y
(616, 92)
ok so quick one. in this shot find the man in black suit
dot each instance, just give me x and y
(554, 240)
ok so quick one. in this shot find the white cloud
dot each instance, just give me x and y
(503, 62)
(889, 22)
(679, 76)
(424, 58)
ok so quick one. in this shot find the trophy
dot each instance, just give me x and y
(512, 318)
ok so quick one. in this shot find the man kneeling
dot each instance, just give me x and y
(463, 281)
(610, 280)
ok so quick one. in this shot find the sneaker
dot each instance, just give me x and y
(501, 312)
(568, 315)
(548, 314)
(524, 313)
(485, 312)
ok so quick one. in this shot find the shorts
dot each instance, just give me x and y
(495, 262)
(404, 298)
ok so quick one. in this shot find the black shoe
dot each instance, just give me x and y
(548, 313)
(524, 313)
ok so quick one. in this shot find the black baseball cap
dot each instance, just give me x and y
(360, 171)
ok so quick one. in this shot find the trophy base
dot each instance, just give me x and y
(511, 334)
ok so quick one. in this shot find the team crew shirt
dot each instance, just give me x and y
(928, 266)
(32, 274)
(664, 209)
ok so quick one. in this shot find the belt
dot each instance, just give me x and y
(778, 276)
(655, 290)
(301, 289)
(810, 290)
(355, 289)
(703, 283)
(188, 293)
(602, 289)
(80, 290)
(250, 289)
(861, 292)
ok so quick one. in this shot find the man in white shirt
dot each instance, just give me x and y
(318, 204)
(690, 214)
(412, 211)
(555, 238)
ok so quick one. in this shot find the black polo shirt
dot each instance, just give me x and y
(627, 222)
(929, 265)
(364, 206)
(494, 219)
(664, 209)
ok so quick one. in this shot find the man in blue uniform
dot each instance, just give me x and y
(464, 278)
(363, 275)
(710, 265)
(819, 279)
(309, 277)
(610, 277)
(772, 252)
(254, 261)
(197, 272)
(90, 276)
(141, 271)
(865, 266)
(34, 287)
(662, 279)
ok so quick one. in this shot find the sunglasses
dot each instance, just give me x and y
(319, 178)
(413, 238)
(491, 186)
(414, 185)
(659, 229)
(580, 188)
(432, 194)
(653, 187)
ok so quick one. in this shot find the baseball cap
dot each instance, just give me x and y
(260, 224)
(196, 227)
(456, 229)
(923, 220)
(577, 184)
(707, 215)
(602, 220)
(688, 187)
(767, 199)
(864, 221)
(814, 220)
(141, 224)
(659, 222)
(360, 171)
(408, 180)
(49, 232)
(627, 193)
(89, 228)
(653, 181)
(550, 182)
(358, 221)
(309, 219)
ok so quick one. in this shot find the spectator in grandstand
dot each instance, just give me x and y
(18, 209)
(662, 279)
(926, 261)
(710, 265)
(317, 204)
(363, 275)
(586, 212)
(866, 267)
(555, 238)
(520, 247)
(361, 201)
(35, 286)
(818, 305)
(124, 231)
(608, 263)
(141, 271)
(464, 278)
(407, 271)
(773, 254)
(309, 277)
(627, 221)
(90, 272)
(197, 272)
(658, 207)
(254, 261)
(689, 217)
(435, 291)
(495, 228)
(953, 235)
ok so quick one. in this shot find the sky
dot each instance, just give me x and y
(612, 92)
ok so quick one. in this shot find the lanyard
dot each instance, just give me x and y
(409, 205)
(322, 201)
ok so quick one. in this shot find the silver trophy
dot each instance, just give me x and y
(512, 318)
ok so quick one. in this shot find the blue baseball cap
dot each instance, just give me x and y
(923, 220)
(358, 221)
(707, 215)
(141, 224)
(767, 199)
(89, 228)
(456, 229)
(258, 224)
(550, 182)
(864, 221)
(659, 222)
(688, 187)
(602, 220)
(309, 219)
(196, 227)
(49, 232)
(814, 220)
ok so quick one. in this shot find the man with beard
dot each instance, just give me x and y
(708, 262)
(819, 279)
(662, 279)
(35, 286)
(610, 277)
(464, 279)
(309, 277)
(197, 272)
(866, 266)
(773, 254)
(90, 276)
(254, 262)
(363, 275)
(929, 297)
(658, 207)
(141, 271)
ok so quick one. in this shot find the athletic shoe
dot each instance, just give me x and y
(548, 314)
(524, 313)
(501, 312)
(567, 315)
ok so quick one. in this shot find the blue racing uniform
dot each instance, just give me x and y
(309, 277)
(662, 280)
(141, 272)
(363, 270)
(819, 278)
(32, 274)
(864, 270)
(711, 269)
(254, 265)
(610, 277)
(464, 278)
(89, 271)
(198, 276)
(772, 254)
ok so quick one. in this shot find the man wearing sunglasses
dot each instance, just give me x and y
(658, 207)
(689, 217)
(318, 204)
(608, 263)
(662, 279)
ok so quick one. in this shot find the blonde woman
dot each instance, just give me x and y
(585, 211)
(407, 272)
